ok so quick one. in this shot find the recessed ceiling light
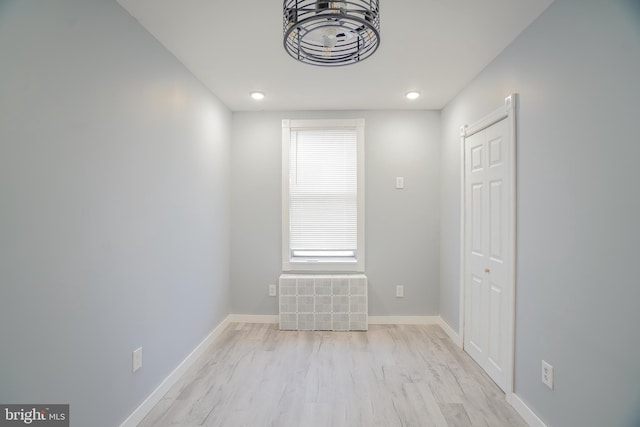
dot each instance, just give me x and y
(413, 95)
(257, 95)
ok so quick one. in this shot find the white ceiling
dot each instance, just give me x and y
(432, 46)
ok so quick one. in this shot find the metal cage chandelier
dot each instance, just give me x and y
(331, 33)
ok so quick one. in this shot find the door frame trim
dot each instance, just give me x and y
(506, 112)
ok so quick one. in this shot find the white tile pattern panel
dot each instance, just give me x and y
(289, 321)
(288, 287)
(340, 304)
(323, 302)
(323, 321)
(306, 304)
(288, 304)
(357, 304)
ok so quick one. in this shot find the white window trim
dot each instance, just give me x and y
(322, 265)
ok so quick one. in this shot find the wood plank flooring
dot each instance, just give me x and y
(254, 375)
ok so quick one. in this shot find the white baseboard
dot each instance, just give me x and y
(145, 407)
(404, 320)
(525, 412)
(373, 320)
(455, 337)
(254, 318)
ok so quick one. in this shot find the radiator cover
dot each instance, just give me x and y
(336, 302)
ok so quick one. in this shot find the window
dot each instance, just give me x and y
(323, 195)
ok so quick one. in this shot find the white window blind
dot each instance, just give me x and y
(323, 193)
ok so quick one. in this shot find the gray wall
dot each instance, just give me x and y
(402, 226)
(577, 71)
(114, 216)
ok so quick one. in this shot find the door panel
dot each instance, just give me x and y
(494, 325)
(495, 221)
(476, 337)
(495, 151)
(477, 194)
(476, 158)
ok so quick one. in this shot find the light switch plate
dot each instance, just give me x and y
(547, 374)
(137, 359)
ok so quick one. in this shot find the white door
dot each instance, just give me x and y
(488, 292)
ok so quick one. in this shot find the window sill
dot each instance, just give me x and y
(317, 265)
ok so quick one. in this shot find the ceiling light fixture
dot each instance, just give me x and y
(257, 95)
(331, 33)
(413, 95)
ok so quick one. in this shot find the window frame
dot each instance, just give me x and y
(311, 264)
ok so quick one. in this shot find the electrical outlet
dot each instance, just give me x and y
(399, 291)
(547, 374)
(272, 290)
(137, 359)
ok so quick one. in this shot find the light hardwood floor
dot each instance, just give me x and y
(254, 375)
